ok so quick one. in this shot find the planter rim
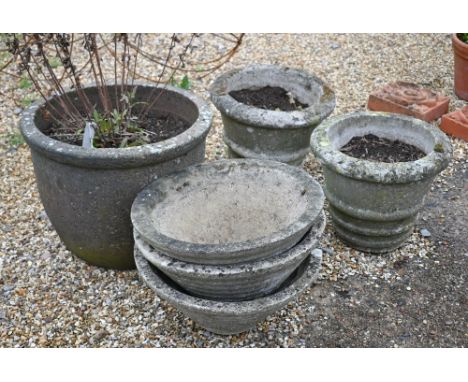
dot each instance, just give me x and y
(460, 48)
(128, 157)
(381, 172)
(312, 115)
(233, 252)
(270, 264)
(307, 273)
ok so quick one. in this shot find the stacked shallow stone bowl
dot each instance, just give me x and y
(229, 242)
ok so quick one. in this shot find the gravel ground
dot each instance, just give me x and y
(415, 296)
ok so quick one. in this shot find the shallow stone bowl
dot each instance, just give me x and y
(229, 317)
(235, 282)
(228, 211)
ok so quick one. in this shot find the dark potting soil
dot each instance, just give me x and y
(165, 126)
(268, 97)
(371, 147)
(159, 127)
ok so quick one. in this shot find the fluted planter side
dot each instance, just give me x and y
(374, 204)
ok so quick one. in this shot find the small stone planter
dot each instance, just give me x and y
(236, 282)
(88, 193)
(374, 204)
(228, 211)
(229, 317)
(251, 132)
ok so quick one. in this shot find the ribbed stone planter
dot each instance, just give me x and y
(235, 282)
(88, 193)
(229, 317)
(228, 211)
(374, 204)
(251, 132)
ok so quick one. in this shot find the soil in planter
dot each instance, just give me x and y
(158, 127)
(371, 147)
(269, 98)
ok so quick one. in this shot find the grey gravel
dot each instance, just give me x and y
(359, 300)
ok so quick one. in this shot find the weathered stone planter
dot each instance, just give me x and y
(374, 204)
(252, 132)
(235, 282)
(228, 211)
(229, 317)
(88, 193)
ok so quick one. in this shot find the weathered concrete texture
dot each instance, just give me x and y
(235, 282)
(228, 211)
(88, 193)
(229, 317)
(374, 204)
(252, 132)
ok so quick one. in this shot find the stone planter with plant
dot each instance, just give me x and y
(94, 147)
(378, 168)
(270, 111)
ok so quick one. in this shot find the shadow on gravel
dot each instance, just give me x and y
(427, 307)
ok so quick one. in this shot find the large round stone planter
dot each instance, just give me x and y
(228, 211)
(236, 282)
(229, 317)
(251, 132)
(374, 204)
(88, 193)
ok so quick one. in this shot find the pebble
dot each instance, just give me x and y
(316, 252)
(328, 251)
(8, 288)
(425, 232)
(42, 215)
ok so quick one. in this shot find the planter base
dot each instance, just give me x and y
(371, 236)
